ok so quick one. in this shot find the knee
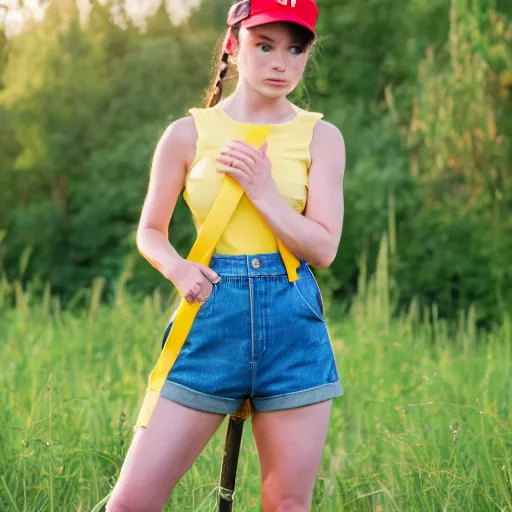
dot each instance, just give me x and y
(115, 506)
(126, 504)
(290, 505)
(276, 498)
(118, 505)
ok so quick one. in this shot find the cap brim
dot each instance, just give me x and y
(264, 19)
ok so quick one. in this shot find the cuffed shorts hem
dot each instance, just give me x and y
(299, 398)
(208, 403)
(198, 400)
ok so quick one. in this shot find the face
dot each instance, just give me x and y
(268, 52)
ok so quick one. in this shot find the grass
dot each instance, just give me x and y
(425, 423)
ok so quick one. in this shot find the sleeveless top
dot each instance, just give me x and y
(288, 151)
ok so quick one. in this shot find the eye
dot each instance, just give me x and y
(298, 49)
(264, 45)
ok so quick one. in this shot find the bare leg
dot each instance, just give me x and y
(290, 443)
(159, 456)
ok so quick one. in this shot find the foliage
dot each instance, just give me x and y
(424, 421)
(420, 91)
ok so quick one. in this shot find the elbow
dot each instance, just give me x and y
(145, 236)
(319, 262)
(328, 249)
(139, 238)
(325, 259)
(323, 263)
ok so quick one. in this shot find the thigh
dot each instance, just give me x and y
(290, 443)
(160, 454)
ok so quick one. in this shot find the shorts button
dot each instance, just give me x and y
(256, 263)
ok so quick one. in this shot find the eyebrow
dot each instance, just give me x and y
(262, 36)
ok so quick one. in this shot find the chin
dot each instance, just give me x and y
(272, 92)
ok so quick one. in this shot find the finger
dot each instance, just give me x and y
(198, 297)
(224, 160)
(263, 150)
(212, 276)
(204, 295)
(207, 296)
(194, 300)
(224, 168)
(238, 161)
(232, 170)
(244, 148)
(248, 161)
(240, 168)
(238, 155)
(235, 173)
(195, 288)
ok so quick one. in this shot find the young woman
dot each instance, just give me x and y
(257, 335)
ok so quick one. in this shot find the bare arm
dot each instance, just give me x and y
(172, 156)
(314, 236)
(174, 153)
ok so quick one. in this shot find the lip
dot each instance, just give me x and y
(275, 81)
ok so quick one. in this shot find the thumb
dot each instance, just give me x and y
(209, 273)
(263, 149)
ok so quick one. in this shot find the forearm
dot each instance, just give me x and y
(156, 248)
(305, 238)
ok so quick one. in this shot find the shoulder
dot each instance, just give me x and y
(181, 130)
(327, 150)
(178, 141)
(326, 132)
(181, 133)
(327, 140)
(322, 129)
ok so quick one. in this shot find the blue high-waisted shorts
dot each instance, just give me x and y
(256, 336)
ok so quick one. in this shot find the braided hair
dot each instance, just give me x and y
(238, 12)
(214, 93)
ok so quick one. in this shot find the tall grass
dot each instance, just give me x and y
(425, 422)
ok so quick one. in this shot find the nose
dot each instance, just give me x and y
(279, 62)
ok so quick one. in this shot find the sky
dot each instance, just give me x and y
(137, 9)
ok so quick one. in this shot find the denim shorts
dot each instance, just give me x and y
(256, 336)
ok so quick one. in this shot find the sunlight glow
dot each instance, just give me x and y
(18, 12)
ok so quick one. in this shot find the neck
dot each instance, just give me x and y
(249, 106)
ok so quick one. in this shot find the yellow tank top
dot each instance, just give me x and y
(288, 151)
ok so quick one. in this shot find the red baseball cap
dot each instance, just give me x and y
(259, 12)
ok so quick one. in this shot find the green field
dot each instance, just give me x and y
(425, 422)
(418, 300)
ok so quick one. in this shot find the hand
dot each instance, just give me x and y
(193, 280)
(250, 167)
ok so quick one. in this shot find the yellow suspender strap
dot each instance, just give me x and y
(201, 252)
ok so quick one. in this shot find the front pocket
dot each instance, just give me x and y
(309, 295)
(202, 312)
(206, 306)
(318, 291)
